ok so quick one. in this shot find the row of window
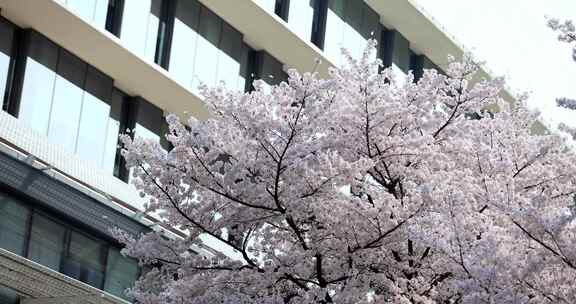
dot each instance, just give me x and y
(190, 41)
(196, 46)
(77, 107)
(335, 24)
(71, 103)
(47, 240)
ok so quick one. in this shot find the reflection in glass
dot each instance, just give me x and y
(65, 114)
(93, 11)
(85, 260)
(6, 38)
(71, 106)
(140, 23)
(349, 24)
(13, 224)
(300, 18)
(268, 5)
(205, 49)
(229, 56)
(93, 129)
(36, 99)
(206, 65)
(46, 242)
(8, 296)
(121, 273)
(184, 39)
(334, 31)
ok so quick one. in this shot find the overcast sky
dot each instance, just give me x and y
(512, 38)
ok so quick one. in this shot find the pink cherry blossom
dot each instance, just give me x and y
(359, 188)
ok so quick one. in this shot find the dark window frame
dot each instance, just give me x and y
(114, 16)
(320, 16)
(282, 9)
(70, 226)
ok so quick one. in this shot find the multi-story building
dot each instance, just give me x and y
(74, 74)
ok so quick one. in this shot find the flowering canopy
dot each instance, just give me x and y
(567, 34)
(359, 188)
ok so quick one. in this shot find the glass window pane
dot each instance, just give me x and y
(353, 41)
(268, 5)
(206, 64)
(300, 18)
(121, 273)
(149, 121)
(229, 56)
(8, 296)
(184, 38)
(46, 242)
(334, 31)
(93, 131)
(39, 80)
(271, 70)
(353, 13)
(140, 23)
(152, 29)
(113, 130)
(244, 68)
(85, 261)
(6, 37)
(67, 103)
(13, 224)
(83, 8)
(370, 24)
(100, 13)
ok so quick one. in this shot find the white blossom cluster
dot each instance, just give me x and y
(358, 189)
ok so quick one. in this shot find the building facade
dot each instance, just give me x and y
(75, 73)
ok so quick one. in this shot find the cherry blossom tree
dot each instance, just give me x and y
(364, 187)
(566, 34)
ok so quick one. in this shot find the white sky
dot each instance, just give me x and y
(511, 36)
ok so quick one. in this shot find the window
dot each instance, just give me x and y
(116, 124)
(419, 63)
(147, 121)
(13, 224)
(184, 38)
(93, 11)
(8, 296)
(7, 33)
(210, 29)
(94, 138)
(86, 259)
(230, 57)
(42, 238)
(268, 5)
(39, 80)
(121, 272)
(70, 102)
(150, 122)
(267, 68)
(301, 17)
(205, 49)
(396, 52)
(349, 24)
(140, 26)
(66, 101)
(46, 241)
(114, 16)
